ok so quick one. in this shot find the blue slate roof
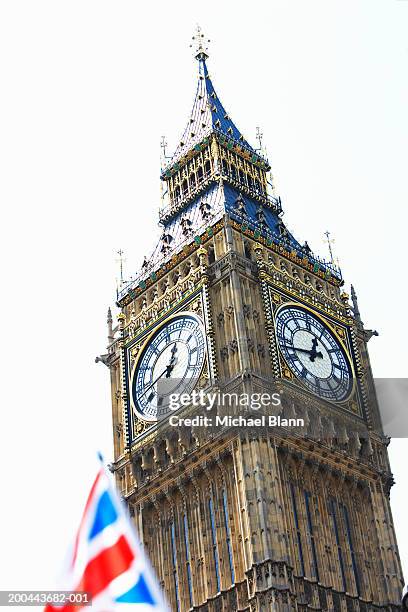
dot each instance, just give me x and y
(196, 223)
(208, 115)
(253, 215)
(215, 202)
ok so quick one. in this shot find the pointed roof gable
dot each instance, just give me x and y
(208, 116)
(198, 210)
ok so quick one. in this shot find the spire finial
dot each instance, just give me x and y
(110, 326)
(356, 310)
(355, 303)
(121, 261)
(163, 145)
(354, 298)
(200, 42)
(329, 243)
(259, 136)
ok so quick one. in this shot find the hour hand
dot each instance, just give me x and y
(170, 367)
(173, 361)
(313, 352)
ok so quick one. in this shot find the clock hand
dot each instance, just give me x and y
(300, 350)
(311, 353)
(153, 383)
(167, 371)
(173, 361)
(295, 348)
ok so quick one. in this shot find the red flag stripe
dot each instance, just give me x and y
(101, 570)
(105, 567)
(88, 503)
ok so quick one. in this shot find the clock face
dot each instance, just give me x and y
(314, 353)
(171, 362)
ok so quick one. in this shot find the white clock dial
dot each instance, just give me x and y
(313, 353)
(170, 363)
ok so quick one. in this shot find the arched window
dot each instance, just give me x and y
(311, 536)
(351, 547)
(200, 173)
(188, 559)
(192, 180)
(247, 249)
(298, 531)
(207, 168)
(184, 187)
(211, 255)
(174, 565)
(340, 553)
(214, 544)
(228, 535)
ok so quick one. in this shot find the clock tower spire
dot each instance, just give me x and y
(231, 303)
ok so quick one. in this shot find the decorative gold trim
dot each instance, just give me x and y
(165, 315)
(168, 266)
(278, 288)
(288, 255)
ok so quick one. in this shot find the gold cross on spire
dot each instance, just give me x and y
(200, 42)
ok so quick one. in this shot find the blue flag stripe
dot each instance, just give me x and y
(105, 515)
(139, 593)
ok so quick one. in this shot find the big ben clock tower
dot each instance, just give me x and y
(248, 519)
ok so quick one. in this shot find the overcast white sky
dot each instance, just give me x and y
(87, 89)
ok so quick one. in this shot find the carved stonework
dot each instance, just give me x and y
(284, 518)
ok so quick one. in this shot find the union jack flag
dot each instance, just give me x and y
(107, 561)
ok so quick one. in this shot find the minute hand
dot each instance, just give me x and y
(166, 372)
(311, 352)
(153, 383)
